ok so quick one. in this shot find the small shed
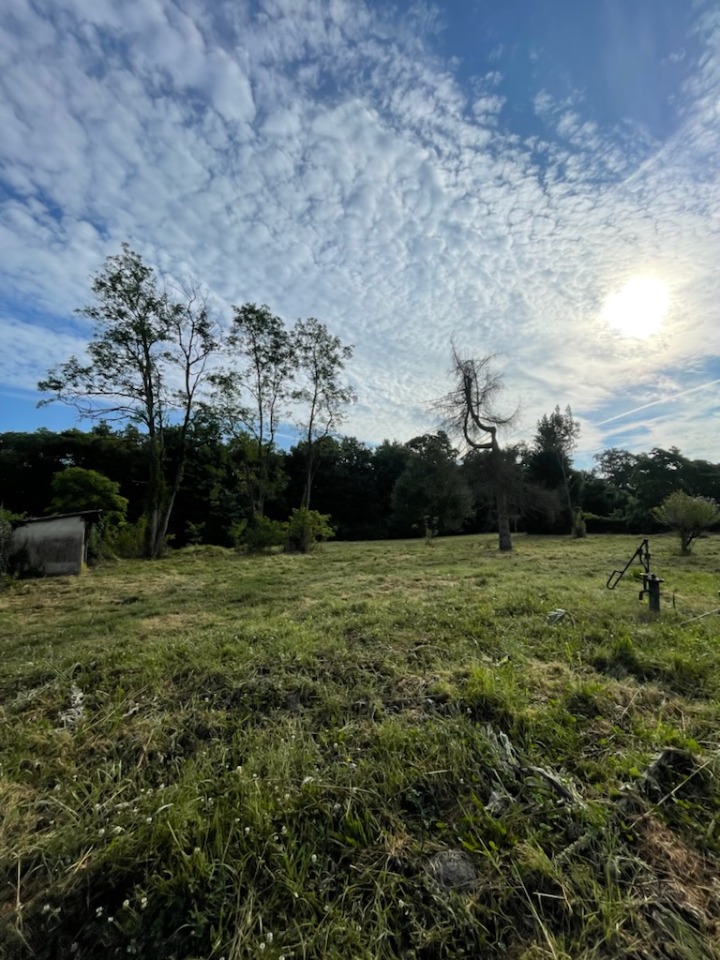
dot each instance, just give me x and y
(53, 546)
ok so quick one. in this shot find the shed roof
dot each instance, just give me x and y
(88, 515)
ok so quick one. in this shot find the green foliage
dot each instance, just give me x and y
(143, 344)
(431, 494)
(237, 532)
(127, 540)
(639, 482)
(579, 530)
(75, 489)
(261, 534)
(195, 533)
(6, 537)
(549, 466)
(306, 528)
(320, 359)
(249, 402)
(689, 516)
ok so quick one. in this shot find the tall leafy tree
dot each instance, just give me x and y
(431, 491)
(389, 462)
(468, 411)
(251, 400)
(321, 395)
(550, 460)
(480, 470)
(76, 488)
(146, 363)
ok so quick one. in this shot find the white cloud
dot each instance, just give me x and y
(320, 158)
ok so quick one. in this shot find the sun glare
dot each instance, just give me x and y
(638, 309)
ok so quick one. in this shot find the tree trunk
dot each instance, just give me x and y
(309, 476)
(156, 503)
(504, 538)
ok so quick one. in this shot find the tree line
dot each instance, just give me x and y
(186, 440)
(419, 488)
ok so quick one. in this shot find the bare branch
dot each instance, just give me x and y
(468, 410)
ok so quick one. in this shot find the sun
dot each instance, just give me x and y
(638, 309)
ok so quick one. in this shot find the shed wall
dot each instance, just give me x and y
(54, 547)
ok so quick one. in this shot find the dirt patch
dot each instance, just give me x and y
(683, 878)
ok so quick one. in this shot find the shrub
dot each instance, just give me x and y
(127, 540)
(306, 528)
(579, 530)
(688, 515)
(6, 532)
(263, 534)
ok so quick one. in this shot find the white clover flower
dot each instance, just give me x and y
(269, 936)
(126, 904)
(313, 858)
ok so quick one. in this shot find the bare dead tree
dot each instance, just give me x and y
(468, 411)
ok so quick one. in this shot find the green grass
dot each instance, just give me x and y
(220, 756)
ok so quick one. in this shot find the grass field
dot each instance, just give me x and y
(378, 750)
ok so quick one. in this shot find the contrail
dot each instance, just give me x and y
(675, 396)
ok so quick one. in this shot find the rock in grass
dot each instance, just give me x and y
(452, 870)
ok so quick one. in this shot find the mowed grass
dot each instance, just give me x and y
(222, 756)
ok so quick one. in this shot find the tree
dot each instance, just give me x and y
(77, 489)
(389, 461)
(320, 361)
(29, 461)
(618, 466)
(146, 364)
(480, 470)
(250, 403)
(344, 486)
(431, 490)
(467, 410)
(690, 516)
(549, 461)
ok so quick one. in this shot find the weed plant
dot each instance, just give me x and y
(224, 756)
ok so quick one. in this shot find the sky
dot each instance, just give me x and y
(532, 179)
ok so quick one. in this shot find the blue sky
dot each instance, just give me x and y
(536, 179)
